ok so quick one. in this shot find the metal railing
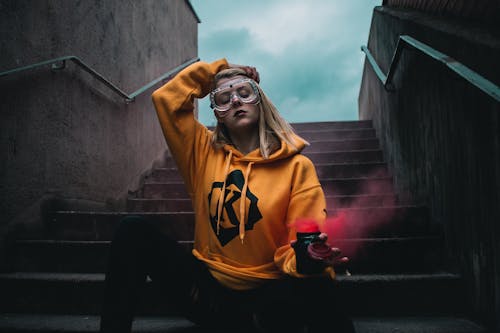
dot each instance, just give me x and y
(465, 72)
(60, 63)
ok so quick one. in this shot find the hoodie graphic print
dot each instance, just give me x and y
(245, 205)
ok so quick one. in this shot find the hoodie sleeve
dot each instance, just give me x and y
(187, 139)
(307, 201)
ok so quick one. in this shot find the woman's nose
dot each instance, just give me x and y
(235, 100)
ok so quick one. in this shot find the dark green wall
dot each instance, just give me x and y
(441, 136)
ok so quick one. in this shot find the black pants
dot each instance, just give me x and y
(139, 250)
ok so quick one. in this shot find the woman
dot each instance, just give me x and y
(249, 184)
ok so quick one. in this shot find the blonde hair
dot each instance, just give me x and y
(272, 127)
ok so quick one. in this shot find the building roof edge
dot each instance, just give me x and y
(192, 10)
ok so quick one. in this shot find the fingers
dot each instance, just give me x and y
(341, 266)
(253, 74)
(336, 251)
(250, 71)
(342, 261)
(335, 259)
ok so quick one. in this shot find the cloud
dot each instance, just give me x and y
(307, 52)
(287, 24)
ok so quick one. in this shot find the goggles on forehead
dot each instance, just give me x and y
(245, 90)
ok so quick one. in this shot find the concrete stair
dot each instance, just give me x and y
(24, 323)
(77, 293)
(400, 278)
(175, 189)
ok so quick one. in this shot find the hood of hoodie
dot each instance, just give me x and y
(255, 156)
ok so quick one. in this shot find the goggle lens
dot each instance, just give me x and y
(245, 91)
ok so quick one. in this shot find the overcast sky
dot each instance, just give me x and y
(307, 52)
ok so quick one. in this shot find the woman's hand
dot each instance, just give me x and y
(250, 71)
(317, 255)
(334, 258)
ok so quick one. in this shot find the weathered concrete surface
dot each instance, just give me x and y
(63, 135)
(441, 136)
(61, 323)
(484, 11)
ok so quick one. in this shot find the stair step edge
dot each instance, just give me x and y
(119, 213)
(48, 242)
(320, 180)
(89, 323)
(316, 164)
(361, 278)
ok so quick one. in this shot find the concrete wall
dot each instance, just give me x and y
(484, 11)
(441, 136)
(67, 141)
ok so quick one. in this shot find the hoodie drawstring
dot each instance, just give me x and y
(243, 201)
(242, 198)
(222, 193)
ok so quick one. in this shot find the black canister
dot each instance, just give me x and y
(305, 264)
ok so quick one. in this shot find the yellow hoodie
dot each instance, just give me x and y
(243, 242)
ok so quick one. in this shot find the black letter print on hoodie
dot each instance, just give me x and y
(232, 195)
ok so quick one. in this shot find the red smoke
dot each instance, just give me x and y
(306, 225)
(370, 214)
(335, 227)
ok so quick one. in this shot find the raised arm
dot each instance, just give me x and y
(187, 139)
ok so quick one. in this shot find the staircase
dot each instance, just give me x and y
(399, 278)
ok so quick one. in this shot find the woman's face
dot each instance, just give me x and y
(240, 115)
